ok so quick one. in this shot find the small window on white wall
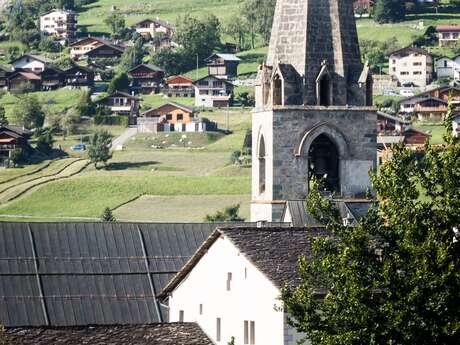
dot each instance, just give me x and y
(218, 329)
(181, 316)
(229, 281)
(252, 332)
(201, 309)
(246, 332)
(245, 273)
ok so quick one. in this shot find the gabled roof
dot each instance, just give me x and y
(274, 251)
(184, 333)
(411, 129)
(178, 77)
(214, 77)
(411, 49)
(148, 66)
(90, 38)
(39, 58)
(224, 56)
(90, 273)
(173, 104)
(110, 45)
(427, 94)
(58, 10)
(78, 67)
(27, 75)
(156, 21)
(16, 129)
(448, 28)
(119, 94)
(393, 118)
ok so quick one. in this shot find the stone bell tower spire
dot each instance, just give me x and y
(313, 115)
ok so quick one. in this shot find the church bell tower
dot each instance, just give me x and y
(313, 114)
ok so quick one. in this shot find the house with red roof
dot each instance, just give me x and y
(448, 34)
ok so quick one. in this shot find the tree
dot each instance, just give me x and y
(132, 56)
(29, 112)
(259, 13)
(237, 28)
(69, 121)
(99, 151)
(85, 105)
(116, 22)
(107, 216)
(3, 338)
(173, 61)
(3, 118)
(198, 36)
(229, 214)
(389, 11)
(119, 82)
(394, 278)
(45, 142)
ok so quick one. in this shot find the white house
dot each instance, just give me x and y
(212, 91)
(448, 68)
(448, 34)
(231, 286)
(411, 64)
(59, 23)
(31, 63)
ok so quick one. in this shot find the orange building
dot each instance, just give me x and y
(171, 113)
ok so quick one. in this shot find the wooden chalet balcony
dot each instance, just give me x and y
(421, 109)
(121, 108)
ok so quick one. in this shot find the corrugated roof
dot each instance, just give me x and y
(73, 274)
(225, 56)
(147, 334)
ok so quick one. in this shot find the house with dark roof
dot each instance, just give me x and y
(105, 50)
(12, 138)
(83, 46)
(121, 103)
(52, 78)
(232, 284)
(19, 79)
(78, 76)
(31, 63)
(411, 65)
(223, 64)
(146, 78)
(148, 334)
(211, 91)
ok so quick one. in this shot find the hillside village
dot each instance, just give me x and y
(206, 172)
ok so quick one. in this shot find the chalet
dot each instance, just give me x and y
(163, 334)
(211, 92)
(179, 86)
(79, 77)
(52, 78)
(121, 103)
(225, 65)
(415, 137)
(390, 125)
(105, 51)
(19, 80)
(31, 63)
(82, 47)
(146, 78)
(12, 138)
(447, 68)
(231, 286)
(430, 104)
(4, 74)
(154, 27)
(448, 34)
(59, 23)
(413, 65)
(170, 117)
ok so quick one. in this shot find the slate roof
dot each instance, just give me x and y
(356, 209)
(148, 66)
(17, 129)
(40, 58)
(411, 49)
(76, 274)
(224, 56)
(150, 334)
(274, 251)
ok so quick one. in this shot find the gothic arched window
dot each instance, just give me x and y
(277, 91)
(262, 164)
(325, 91)
(323, 158)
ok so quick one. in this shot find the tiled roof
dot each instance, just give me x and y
(411, 49)
(274, 251)
(149, 334)
(448, 28)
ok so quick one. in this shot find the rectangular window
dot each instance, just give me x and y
(203, 83)
(218, 329)
(215, 92)
(217, 84)
(201, 309)
(181, 316)
(168, 117)
(229, 281)
(180, 117)
(245, 273)
(417, 73)
(417, 63)
(246, 332)
(252, 333)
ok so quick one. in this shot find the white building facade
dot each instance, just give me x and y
(447, 68)
(59, 23)
(411, 65)
(211, 92)
(31, 63)
(229, 297)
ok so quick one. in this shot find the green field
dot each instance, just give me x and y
(200, 174)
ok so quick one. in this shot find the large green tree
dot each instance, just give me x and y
(389, 11)
(259, 16)
(394, 278)
(99, 151)
(29, 112)
(116, 23)
(119, 82)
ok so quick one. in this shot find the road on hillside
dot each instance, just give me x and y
(124, 137)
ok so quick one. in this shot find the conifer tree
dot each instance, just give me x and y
(107, 216)
(3, 118)
(389, 11)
